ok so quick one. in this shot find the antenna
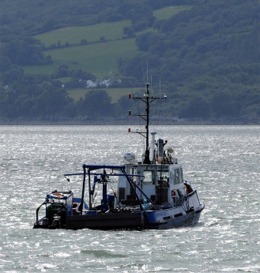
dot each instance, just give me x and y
(147, 72)
(147, 99)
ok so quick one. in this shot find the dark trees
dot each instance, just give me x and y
(95, 105)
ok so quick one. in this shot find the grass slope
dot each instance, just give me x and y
(99, 59)
(95, 57)
(93, 33)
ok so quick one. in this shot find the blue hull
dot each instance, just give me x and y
(160, 220)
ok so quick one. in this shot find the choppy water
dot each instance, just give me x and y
(221, 161)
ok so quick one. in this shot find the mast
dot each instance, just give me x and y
(147, 99)
(147, 150)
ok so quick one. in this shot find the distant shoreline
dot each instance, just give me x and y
(127, 121)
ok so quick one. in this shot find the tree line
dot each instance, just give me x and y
(33, 99)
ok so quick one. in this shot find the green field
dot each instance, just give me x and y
(110, 31)
(96, 57)
(99, 59)
(92, 34)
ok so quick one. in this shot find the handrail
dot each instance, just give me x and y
(37, 211)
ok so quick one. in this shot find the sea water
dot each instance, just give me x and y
(221, 162)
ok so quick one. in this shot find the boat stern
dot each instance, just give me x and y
(57, 206)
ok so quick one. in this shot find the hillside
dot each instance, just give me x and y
(203, 54)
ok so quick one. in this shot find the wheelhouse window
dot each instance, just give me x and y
(178, 176)
(148, 176)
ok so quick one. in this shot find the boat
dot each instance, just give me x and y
(147, 194)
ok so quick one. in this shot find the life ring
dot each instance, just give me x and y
(58, 194)
(188, 188)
